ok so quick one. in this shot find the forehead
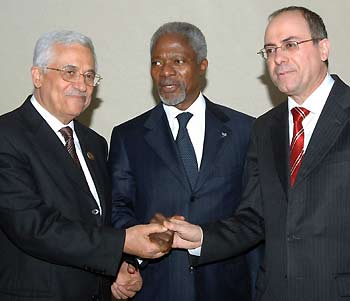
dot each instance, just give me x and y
(74, 54)
(172, 43)
(286, 25)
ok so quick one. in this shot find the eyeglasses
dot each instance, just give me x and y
(71, 74)
(288, 46)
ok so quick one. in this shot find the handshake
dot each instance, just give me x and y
(152, 241)
(163, 239)
(161, 235)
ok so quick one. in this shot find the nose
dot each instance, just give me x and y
(80, 83)
(167, 69)
(280, 56)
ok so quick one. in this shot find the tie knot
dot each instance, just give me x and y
(299, 114)
(183, 119)
(67, 133)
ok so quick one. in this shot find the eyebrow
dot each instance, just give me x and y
(76, 67)
(290, 38)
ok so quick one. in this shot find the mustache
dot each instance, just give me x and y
(76, 93)
(166, 82)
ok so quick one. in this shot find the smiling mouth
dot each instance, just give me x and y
(283, 72)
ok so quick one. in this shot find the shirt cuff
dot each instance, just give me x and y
(197, 251)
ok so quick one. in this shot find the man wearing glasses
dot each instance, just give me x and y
(298, 193)
(55, 239)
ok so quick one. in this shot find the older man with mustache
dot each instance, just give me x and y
(56, 242)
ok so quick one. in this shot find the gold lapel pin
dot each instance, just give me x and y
(90, 156)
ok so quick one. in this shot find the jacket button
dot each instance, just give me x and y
(95, 211)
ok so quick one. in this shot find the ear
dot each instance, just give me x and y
(324, 47)
(37, 76)
(203, 66)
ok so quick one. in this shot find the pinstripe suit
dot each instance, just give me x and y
(307, 227)
(148, 178)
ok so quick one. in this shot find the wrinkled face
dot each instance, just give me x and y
(175, 71)
(300, 72)
(64, 100)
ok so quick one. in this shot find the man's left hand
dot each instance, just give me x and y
(128, 282)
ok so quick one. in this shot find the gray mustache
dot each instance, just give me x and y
(168, 82)
(76, 93)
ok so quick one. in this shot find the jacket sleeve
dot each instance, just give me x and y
(245, 229)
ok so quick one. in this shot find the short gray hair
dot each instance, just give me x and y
(192, 33)
(43, 51)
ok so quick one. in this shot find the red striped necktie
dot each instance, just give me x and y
(297, 144)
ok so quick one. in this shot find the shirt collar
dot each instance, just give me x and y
(316, 101)
(52, 121)
(197, 108)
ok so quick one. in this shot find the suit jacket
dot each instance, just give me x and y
(53, 245)
(307, 227)
(148, 177)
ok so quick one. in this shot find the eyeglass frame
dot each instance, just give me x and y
(263, 53)
(97, 77)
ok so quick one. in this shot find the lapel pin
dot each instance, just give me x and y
(90, 156)
(223, 134)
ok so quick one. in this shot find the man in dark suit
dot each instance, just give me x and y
(150, 175)
(55, 239)
(298, 195)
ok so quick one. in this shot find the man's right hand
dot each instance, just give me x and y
(187, 236)
(138, 243)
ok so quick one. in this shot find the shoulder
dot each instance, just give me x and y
(13, 122)
(278, 112)
(89, 132)
(229, 115)
(136, 124)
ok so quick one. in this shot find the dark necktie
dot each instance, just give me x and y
(297, 144)
(67, 133)
(186, 149)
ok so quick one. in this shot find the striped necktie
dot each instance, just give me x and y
(297, 144)
(67, 133)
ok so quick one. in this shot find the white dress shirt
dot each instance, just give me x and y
(314, 103)
(195, 126)
(196, 131)
(56, 125)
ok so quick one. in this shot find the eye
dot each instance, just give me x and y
(270, 50)
(90, 76)
(156, 63)
(69, 72)
(179, 61)
(290, 45)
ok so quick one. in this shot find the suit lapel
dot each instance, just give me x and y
(160, 139)
(280, 144)
(333, 118)
(89, 151)
(50, 149)
(216, 135)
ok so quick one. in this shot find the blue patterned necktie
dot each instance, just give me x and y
(186, 149)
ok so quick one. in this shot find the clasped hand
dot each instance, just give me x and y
(180, 234)
(157, 238)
